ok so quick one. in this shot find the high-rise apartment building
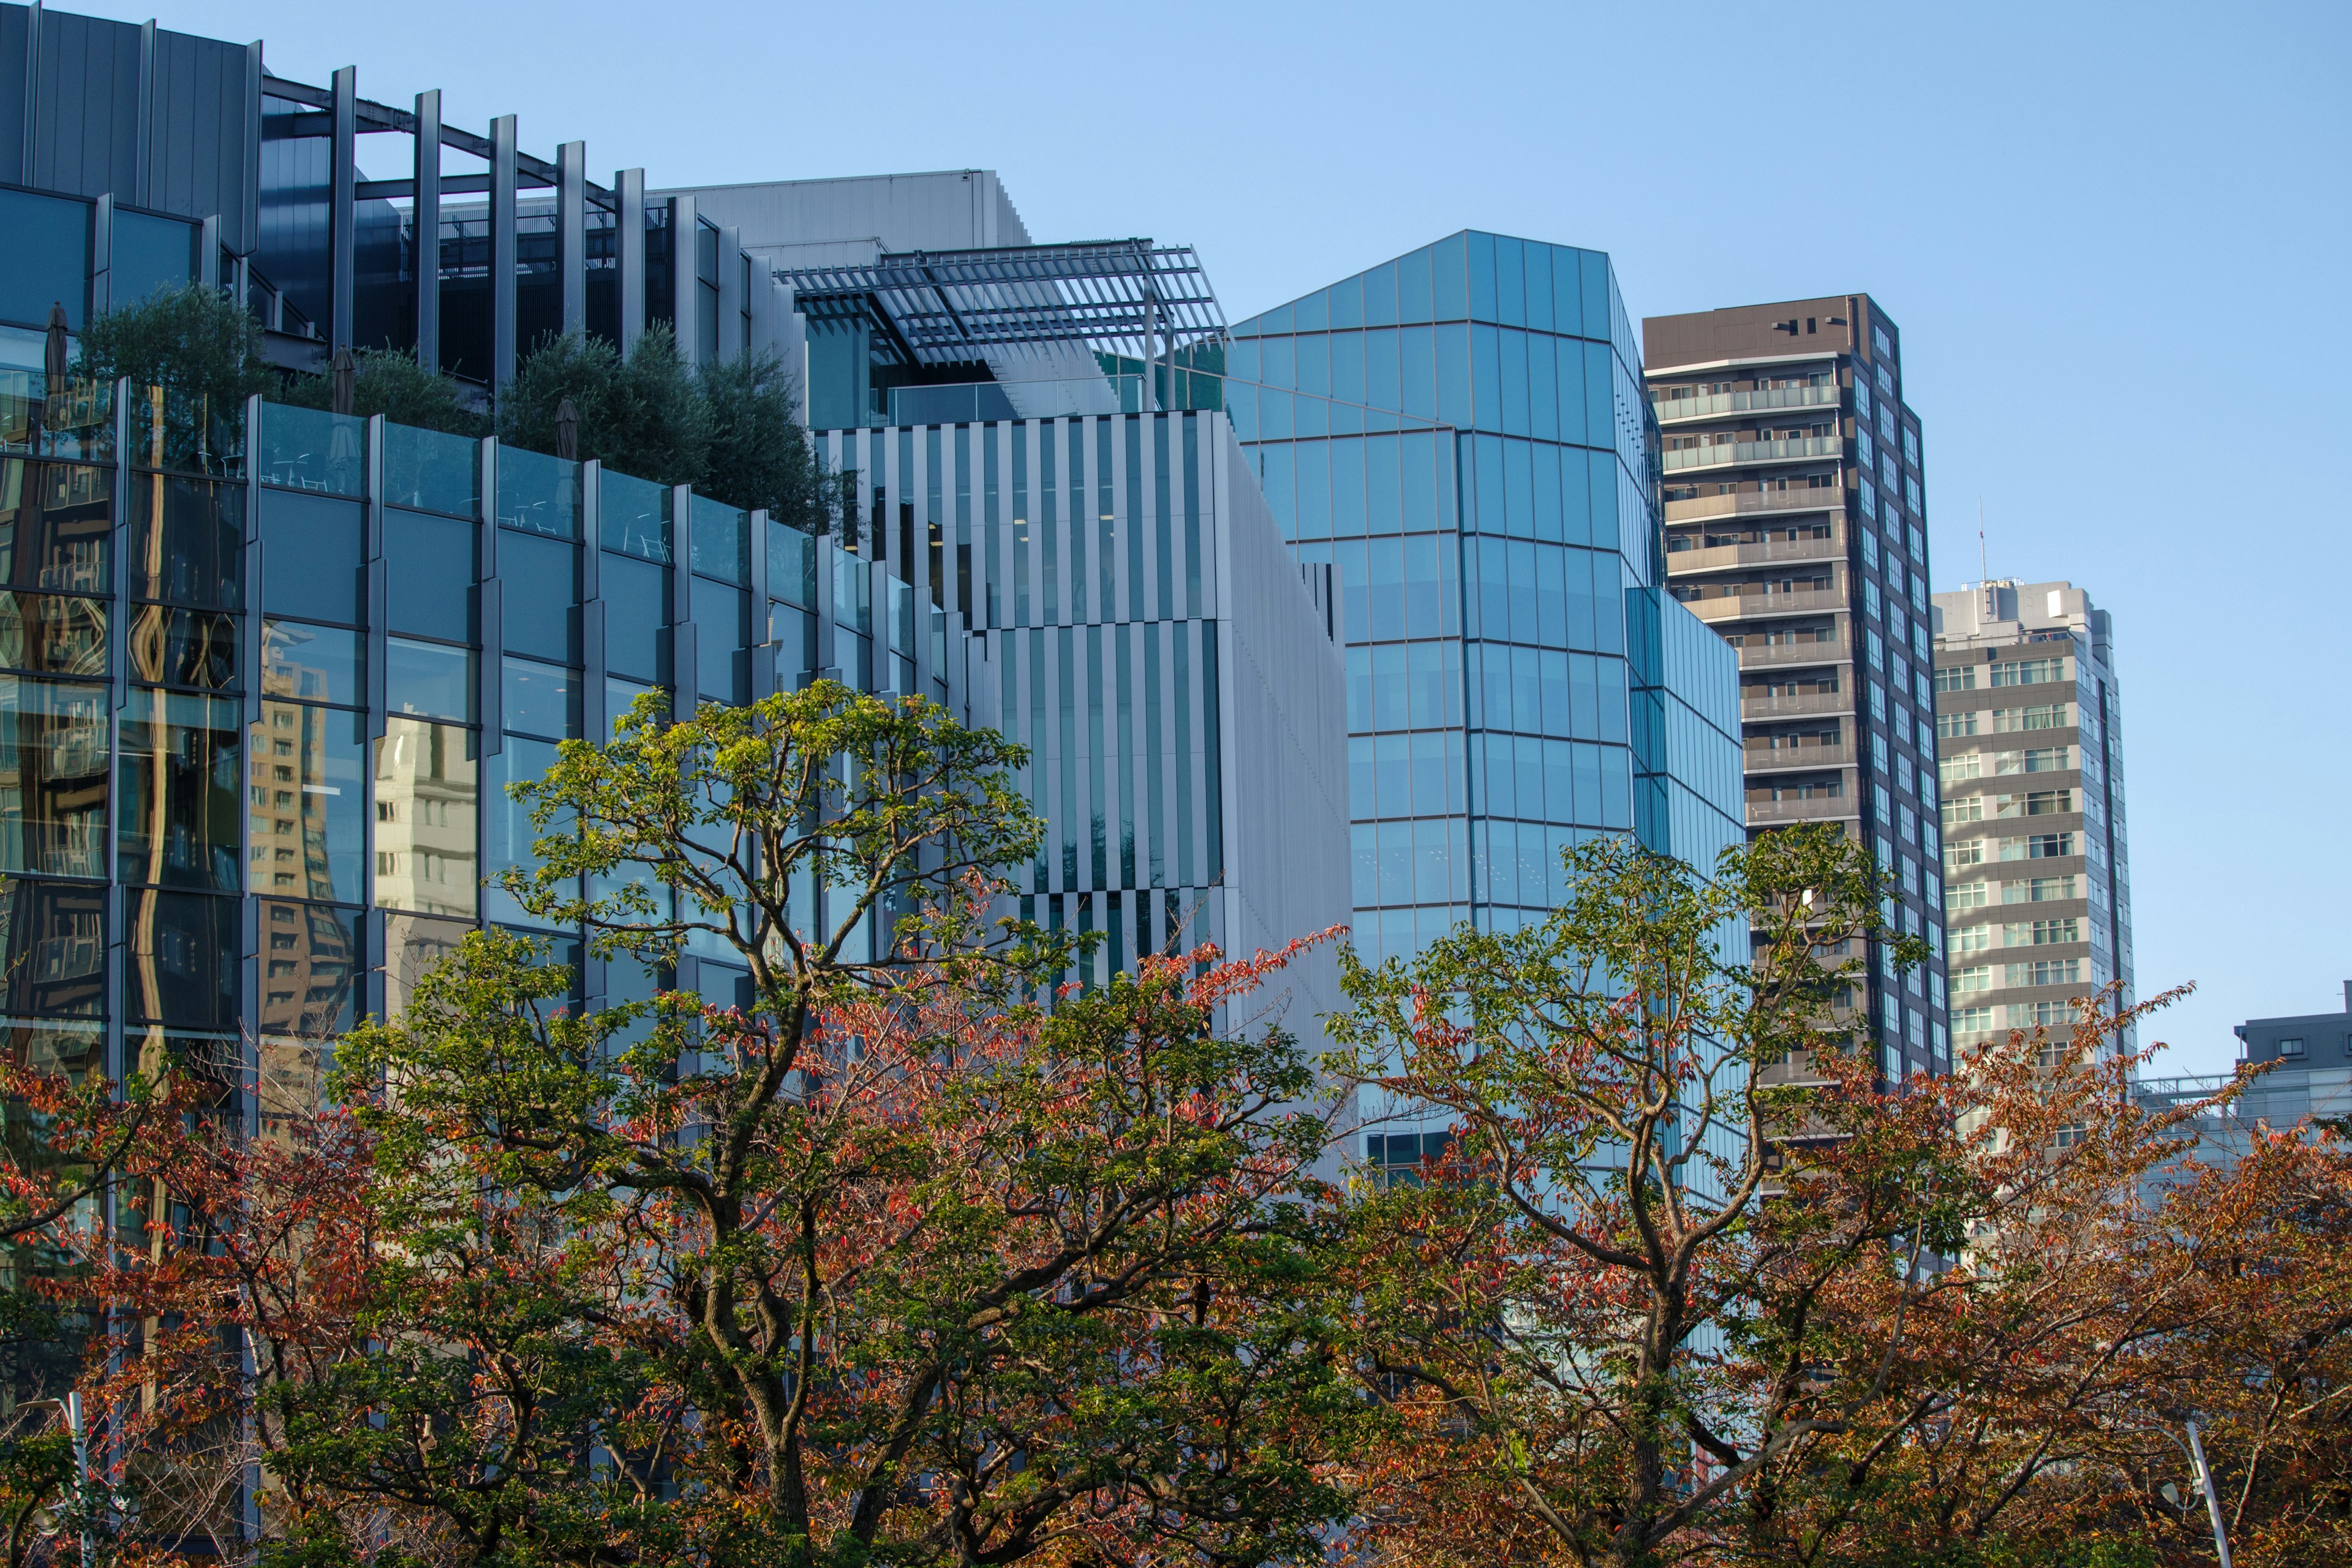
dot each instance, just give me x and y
(1795, 525)
(2037, 871)
(265, 670)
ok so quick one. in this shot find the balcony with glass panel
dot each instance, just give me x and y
(1681, 410)
(1745, 503)
(1726, 454)
(1752, 606)
(1709, 559)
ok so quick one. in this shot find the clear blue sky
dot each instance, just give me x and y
(2115, 236)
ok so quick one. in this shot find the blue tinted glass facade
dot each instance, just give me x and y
(1460, 432)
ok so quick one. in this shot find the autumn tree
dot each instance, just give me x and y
(921, 1256)
(1543, 1316)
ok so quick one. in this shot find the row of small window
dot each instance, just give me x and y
(1979, 1020)
(2016, 933)
(1964, 765)
(2030, 847)
(1961, 897)
(2007, 672)
(2004, 720)
(2040, 971)
(1448, 861)
(2031, 802)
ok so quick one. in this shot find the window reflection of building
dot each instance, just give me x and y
(427, 782)
(53, 945)
(309, 970)
(55, 526)
(53, 762)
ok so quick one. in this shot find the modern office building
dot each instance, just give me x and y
(2037, 870)
(142, 155)
(1460, 433)
(265, 673)
(1795, 526)
(2309, 1060)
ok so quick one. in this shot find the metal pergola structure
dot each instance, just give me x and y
(1130, 297)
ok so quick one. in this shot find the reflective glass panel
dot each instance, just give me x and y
(312, 449)
(539, 494)
(432, 471)
(53, 762)
(184, 957)
(410, 946)
(187, 540)
(312, 557)
(636, 608)
(57, 526)
(540, 699)
(633, 516)
(427, 783)
(182, 764)
(51, 634)
(312, 960)
(508, 830)
(430, 678)
(541, 604)
(52, 949)
(429, 571)
(323, 664)
(183, 647)
(308, 803)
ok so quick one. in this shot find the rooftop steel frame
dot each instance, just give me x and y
(1124, 296)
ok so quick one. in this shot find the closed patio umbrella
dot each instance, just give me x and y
(53, 363)
(567, 431)
(344, 374)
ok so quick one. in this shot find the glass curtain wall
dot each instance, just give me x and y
(1458, 432)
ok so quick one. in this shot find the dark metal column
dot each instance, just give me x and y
(342, 243)
(101, 254)
(571, 234)
(629, 253)
(490, 689)
(503, 252)
(145, 143)
(33, 88)
(685, 679)
(686, 279)
(425, 260)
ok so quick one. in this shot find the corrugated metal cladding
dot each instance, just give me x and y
(1087, 546)
(92, 82)
(1156, 651)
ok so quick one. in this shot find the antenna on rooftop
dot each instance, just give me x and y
(1983, 572)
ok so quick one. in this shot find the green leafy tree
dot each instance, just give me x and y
(898, 1263)
(760, 454)
(391, 384)
(193, 340)
(1543, 1319)
(644, 414)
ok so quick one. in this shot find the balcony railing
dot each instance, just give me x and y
(1801, 705)
(1766, 759)
(1725, 454)
(1817, 498)
(1716, 404)
(1820, 808)
(1764, 553)
(1744, 606)
(1835, 651)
